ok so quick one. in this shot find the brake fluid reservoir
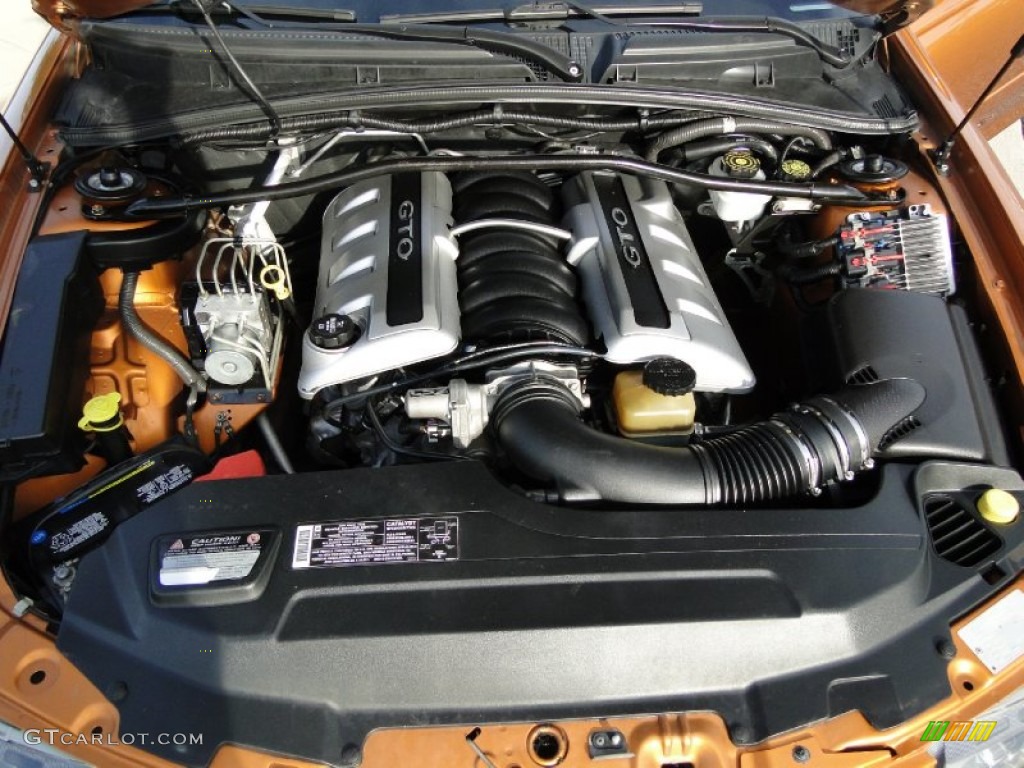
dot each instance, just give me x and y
(738, 206)
(657, 400)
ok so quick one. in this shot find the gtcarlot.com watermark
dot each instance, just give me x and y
(55, 737)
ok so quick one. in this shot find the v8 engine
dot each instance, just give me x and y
(413, 264)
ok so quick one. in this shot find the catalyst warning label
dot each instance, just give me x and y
(370, 542)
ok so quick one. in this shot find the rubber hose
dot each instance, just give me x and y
(806, 250)
(718, 126)
(829, 160)
(700, 150)
(813, 444)
(274, 444)
(158, 346)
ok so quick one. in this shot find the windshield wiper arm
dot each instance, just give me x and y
(827, 53)
(553, 11)
(566, 10)
(505, 43)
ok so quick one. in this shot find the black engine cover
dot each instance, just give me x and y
(475, 605)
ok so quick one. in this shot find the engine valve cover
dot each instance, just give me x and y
(388, 263)
(645, 288)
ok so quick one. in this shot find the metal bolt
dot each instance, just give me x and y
(945, 648)
(351, 755)
(600, 740)
(97, 210)
(801, 754)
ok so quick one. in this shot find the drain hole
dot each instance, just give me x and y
(548, 745)
(37, 677)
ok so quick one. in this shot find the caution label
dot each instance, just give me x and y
(370, 542)
(209, 557)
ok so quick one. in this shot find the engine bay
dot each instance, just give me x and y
(591, 336)
(555, 347)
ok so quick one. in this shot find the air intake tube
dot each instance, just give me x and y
(820, 441)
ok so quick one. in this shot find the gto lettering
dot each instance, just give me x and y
(626, 239)
(406, 245)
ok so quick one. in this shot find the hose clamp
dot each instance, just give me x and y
(858, 429)
(807, 453)
(836, 434)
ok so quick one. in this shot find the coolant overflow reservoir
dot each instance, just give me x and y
(657, 400)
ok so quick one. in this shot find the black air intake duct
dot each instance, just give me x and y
(823, 440)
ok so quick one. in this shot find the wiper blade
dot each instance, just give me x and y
(256, 11)
(553, 11)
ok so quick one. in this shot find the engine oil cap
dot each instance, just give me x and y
(333, 331)
(669, 376)
(998, 506)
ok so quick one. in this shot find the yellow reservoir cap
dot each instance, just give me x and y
(998, 506)
(102, 413)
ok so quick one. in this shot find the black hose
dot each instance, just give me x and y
(824, 440)
(718, 126)
(435, 125)
(806, 250)
(163, 207)
(700, 150)
(800, 275)
(158, 346)
(829, 160)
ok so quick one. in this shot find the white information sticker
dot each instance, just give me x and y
(997, 635)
